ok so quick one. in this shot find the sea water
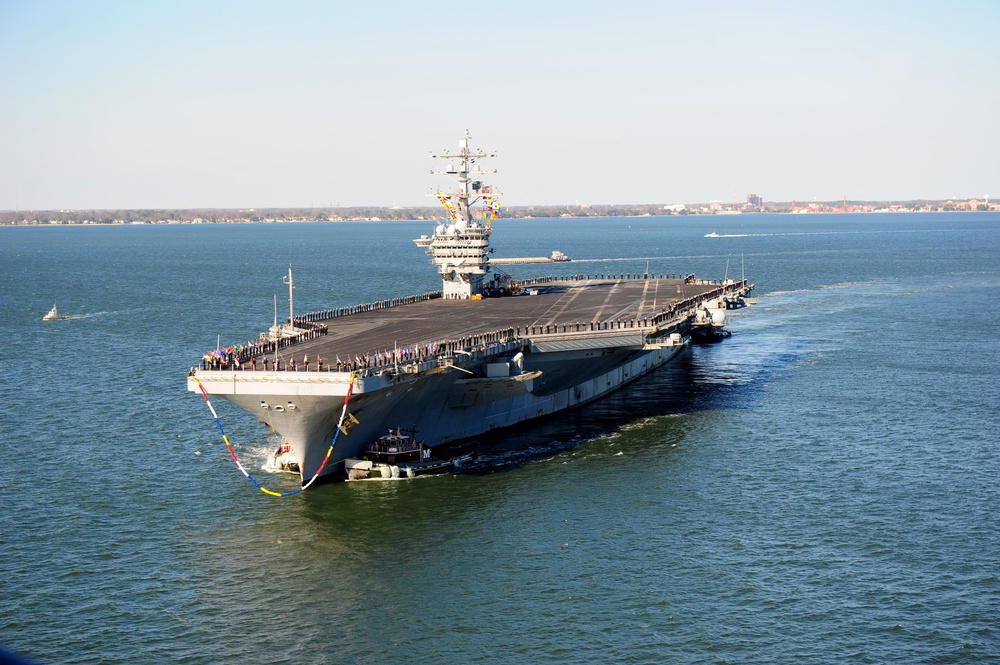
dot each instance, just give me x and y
(820, 487)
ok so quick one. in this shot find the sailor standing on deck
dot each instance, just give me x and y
(305, 361)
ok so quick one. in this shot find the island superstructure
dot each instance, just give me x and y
(479, 355)
(460, 248)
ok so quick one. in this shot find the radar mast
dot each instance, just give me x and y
(460, 246)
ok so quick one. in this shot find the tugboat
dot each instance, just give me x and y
(54, 314)
(396, 447)
(283, 460)
(399, 454)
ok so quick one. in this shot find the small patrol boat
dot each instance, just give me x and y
(54, 314)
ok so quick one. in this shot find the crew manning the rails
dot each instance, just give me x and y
(242, 357)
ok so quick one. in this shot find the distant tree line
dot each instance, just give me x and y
(374, 213)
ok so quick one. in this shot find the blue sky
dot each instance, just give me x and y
(263, 104)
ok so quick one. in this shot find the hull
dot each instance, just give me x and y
(444, 404)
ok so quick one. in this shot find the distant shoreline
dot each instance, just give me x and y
(396, 214)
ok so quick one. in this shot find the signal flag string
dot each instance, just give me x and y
(343, 414)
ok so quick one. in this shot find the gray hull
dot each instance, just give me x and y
(445, 404)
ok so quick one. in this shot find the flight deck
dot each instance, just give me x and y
(578, 305)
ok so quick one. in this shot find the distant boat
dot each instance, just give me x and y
(713, 234)
(54, 314)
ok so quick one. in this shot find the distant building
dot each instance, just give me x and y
(675, 207)
(754, 200)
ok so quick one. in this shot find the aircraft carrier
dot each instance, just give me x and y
(481, 354)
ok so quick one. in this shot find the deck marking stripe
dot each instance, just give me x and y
(239, 465)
